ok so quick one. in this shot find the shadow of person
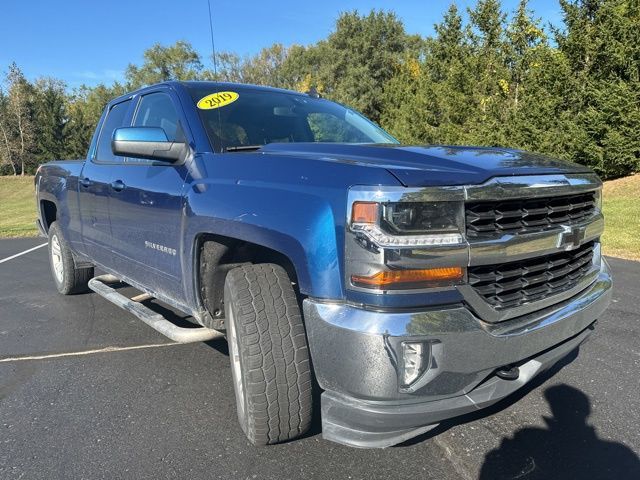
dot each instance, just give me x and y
(567, 448)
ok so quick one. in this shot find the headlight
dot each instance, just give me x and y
(408, 223)
(401, 240)
(411, 218)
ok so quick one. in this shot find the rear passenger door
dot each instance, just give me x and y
(146, 208)
(94, 187)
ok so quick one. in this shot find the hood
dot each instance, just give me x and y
(419, 166)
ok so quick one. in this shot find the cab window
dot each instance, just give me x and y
(115, 119)
(157, 110)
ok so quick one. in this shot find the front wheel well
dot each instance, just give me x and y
(216, 256)
(49, 213)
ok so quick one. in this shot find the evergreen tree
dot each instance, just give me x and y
(489, 69)
(524, 37)
(426, 101)
(50, 117)
(357, 60)
(602, 44)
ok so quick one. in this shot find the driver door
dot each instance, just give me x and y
(146, 209)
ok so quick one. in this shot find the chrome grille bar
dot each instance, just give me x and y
(513, 284)
(495, 218)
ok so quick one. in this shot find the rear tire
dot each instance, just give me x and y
(269, 355)
(69, 279)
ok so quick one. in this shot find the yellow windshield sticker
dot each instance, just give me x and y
(217, 100)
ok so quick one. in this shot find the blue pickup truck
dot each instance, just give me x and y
(404, 285)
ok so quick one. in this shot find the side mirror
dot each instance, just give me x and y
(146, 142)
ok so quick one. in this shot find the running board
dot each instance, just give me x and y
(153, 319)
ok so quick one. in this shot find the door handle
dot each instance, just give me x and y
(118, 185)
(85, 182)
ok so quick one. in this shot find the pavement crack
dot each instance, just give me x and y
(22, 358)
(453, 459)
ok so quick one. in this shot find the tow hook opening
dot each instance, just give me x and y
(508, 373)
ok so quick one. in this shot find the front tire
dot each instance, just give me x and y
(269, 354)
(69, 279)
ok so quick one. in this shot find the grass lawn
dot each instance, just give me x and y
(17, 207)
(621, 210)
(621, 207)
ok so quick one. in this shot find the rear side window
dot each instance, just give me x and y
(157, 110)
(115, 119)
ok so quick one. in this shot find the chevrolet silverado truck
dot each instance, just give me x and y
(405, 285)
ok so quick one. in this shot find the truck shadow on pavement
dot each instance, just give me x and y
(568, 448)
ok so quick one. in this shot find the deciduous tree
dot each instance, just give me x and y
(19, 117)
(175, 62)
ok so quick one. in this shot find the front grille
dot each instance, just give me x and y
(494, 218)
(508, 285)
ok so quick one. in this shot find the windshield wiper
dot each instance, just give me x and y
(243, 148)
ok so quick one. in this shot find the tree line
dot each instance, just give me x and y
(490, 78)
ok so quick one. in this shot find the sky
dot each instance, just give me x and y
(89, 41)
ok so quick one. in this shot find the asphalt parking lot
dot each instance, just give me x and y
(88, 391)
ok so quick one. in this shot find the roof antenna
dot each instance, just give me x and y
(213, 44)
(215, 73)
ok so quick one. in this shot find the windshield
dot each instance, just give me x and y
(238, 119)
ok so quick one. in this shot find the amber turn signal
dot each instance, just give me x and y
(396, 279)
(364, 212)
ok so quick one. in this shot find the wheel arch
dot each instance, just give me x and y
(48, 213)
(216, 255)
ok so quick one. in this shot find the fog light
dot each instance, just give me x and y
(416, 360)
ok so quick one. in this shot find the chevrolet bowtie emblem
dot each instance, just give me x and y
(571, 237)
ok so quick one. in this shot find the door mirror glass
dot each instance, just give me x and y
(147, 143)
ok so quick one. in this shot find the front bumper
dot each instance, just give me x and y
(356, 354)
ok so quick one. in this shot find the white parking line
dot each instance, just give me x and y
(21, 253)
(21, 358)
